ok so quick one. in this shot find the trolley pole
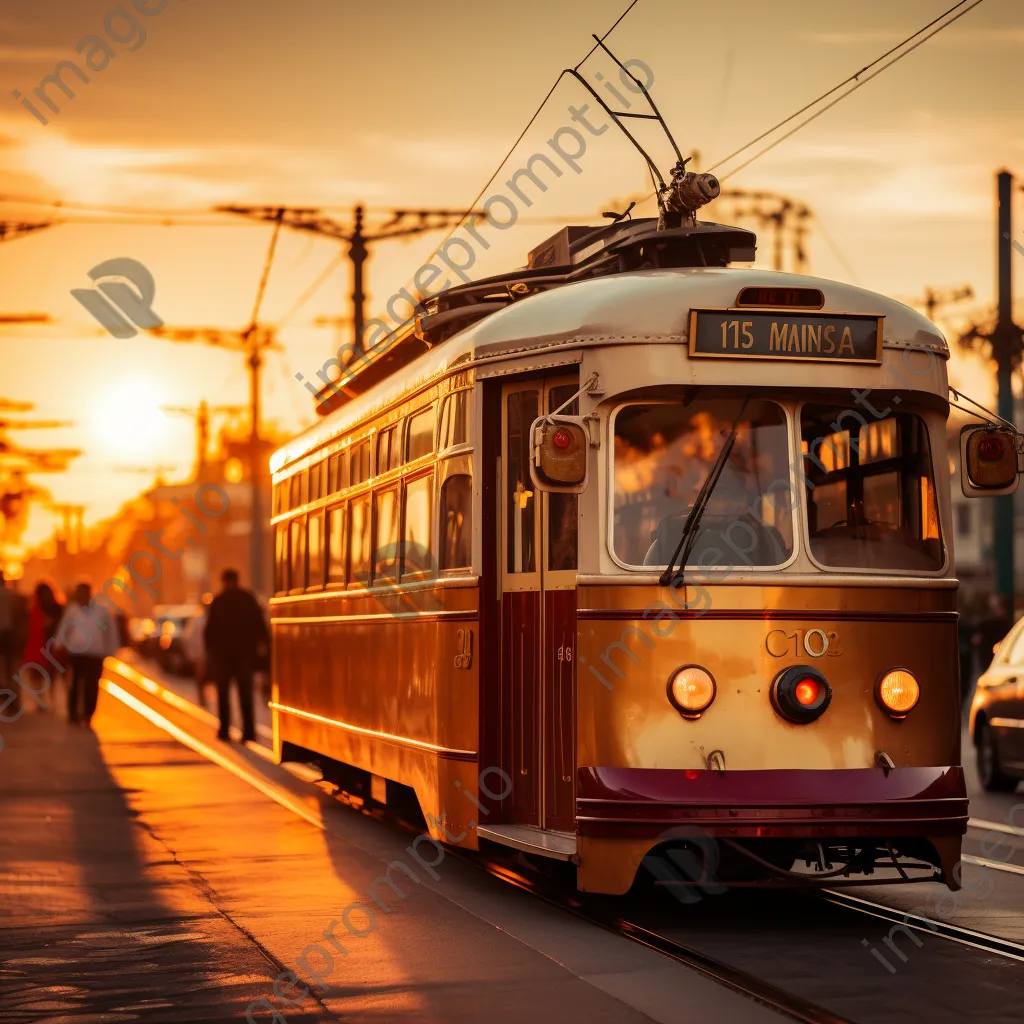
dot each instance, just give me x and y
(1006, 351)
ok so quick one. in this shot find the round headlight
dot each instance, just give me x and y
(691, 689)
(898, 692)
(800, 694)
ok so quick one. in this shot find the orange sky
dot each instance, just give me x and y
(318, 103)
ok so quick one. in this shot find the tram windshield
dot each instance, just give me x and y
(870, 491)
(664, 452)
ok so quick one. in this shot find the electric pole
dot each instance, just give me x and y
(1005, 340)
(1006, 347)
(935, 299)
(252, 342)
(202, 415)
(307, 219)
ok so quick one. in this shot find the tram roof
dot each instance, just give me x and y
(634, 307)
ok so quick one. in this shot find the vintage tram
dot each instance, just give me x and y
(633, 548)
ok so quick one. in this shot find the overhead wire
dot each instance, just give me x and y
(846, 81)
(860, 82)
(529, 124)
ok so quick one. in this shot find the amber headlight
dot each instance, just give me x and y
(897, 692)
(691, 689)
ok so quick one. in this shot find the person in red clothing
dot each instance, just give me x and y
(43, 617)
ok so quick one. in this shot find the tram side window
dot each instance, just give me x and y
(563, 514)
(360, 464)
(419, 508)
(336, 553)
(278, 502)
(281, 558)
(457, 522)
(315, 549)
(359, 541)
(298, 559)
(300, 489)
(338, 474)
(419, 435)
(387, 452)
(314, 481)
(521, 554)
(385, 548)
(871, 500)
(455, 420)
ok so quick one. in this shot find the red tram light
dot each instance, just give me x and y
(807, 692)
(800, 694)
(561, 438)
(991, 448)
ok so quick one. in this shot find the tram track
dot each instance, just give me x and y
(740, 981)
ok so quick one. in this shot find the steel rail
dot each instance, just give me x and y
(954, 933)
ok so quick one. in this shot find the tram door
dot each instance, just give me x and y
(538, 557)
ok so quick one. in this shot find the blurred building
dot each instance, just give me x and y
(170, 544)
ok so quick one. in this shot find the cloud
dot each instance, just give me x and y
(30, 54)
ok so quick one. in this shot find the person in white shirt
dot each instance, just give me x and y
(88, 632)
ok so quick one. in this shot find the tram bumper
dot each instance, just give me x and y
(622, 813)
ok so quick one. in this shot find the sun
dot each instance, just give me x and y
(127, 420)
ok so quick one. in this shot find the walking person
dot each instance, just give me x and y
(88, 634)
(235, 631)
(43, 617)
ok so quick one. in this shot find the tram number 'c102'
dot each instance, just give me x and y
(816, 643)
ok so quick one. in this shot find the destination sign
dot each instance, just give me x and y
(760, 334)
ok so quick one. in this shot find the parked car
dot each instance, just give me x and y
(997, 715)
(168, 637)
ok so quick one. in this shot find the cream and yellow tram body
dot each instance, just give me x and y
(520, 657)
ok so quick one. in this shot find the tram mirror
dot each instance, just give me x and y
(988, 461)
(559, 446)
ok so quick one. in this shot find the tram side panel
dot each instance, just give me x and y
(392, 694)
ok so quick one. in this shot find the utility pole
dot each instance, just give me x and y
(1006, 347)
(307, 219)
(1005, 340)
(935, 299)
(358, 253)
(202, 415)
(253, 341)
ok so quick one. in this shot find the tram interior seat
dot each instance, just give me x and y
(738, 540)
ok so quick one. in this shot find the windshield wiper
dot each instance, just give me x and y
(692, 524)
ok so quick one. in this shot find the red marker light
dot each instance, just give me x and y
(991, 448)
(691, 774)
(562, 438)
(806, 692)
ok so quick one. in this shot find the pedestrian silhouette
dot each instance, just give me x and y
(235, 632)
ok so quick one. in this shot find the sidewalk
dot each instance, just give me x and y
(98, 918)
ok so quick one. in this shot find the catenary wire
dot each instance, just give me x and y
(860, 82)
(529, 124)
(835, 88)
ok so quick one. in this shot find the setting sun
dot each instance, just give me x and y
(127, 420)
